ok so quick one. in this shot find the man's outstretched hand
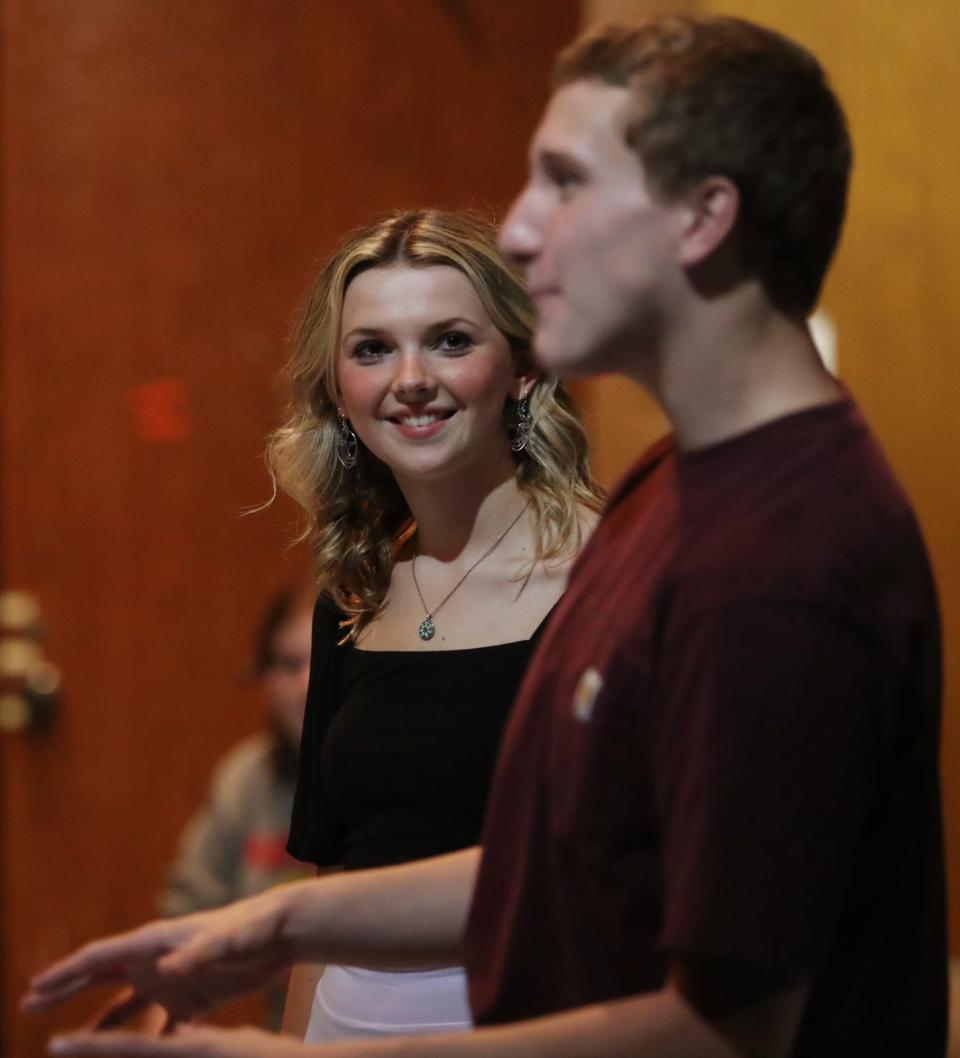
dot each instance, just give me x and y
(189, 965)
(187, 1041)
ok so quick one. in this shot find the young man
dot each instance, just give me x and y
(715, 826)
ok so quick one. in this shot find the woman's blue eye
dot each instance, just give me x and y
(368, 350)
(454, 342)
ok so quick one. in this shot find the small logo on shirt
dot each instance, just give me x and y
(589, 687)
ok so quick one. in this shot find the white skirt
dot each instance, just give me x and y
(353, 1003)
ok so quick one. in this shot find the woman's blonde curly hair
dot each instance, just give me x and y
(358, 517)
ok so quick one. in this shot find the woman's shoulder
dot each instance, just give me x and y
(327, 616)
(587, 520)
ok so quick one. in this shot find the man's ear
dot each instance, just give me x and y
(712, 210)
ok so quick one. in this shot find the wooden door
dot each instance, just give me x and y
(171, 171)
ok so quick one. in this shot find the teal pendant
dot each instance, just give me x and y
(427, 630)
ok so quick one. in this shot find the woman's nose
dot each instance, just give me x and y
(412, 381)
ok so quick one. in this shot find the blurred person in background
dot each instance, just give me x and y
(235, 844)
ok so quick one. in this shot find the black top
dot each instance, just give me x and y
(398, 748)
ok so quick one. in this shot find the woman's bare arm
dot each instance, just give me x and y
(409, 915)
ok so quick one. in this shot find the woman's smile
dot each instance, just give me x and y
(425, 377)
(421, 425)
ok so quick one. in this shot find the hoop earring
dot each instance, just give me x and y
(522, 425)
(346, 445)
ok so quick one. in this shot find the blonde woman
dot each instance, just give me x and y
(447, 489)
(448, 493)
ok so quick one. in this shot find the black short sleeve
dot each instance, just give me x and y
(316, 830)
(766, 765)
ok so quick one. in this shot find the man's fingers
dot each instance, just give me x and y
(185, 1042)
(123, 1007)
(115, 1044)
(170, 1023)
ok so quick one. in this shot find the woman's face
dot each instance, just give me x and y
(423, 372)
(285, 679)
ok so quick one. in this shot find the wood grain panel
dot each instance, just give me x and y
(171, 173)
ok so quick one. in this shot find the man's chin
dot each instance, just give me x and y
(558, 354)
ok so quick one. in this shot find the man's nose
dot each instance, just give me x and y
(519, 237)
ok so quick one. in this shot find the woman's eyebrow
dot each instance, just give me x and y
(364, 332)
(453, 321)
(432, 328)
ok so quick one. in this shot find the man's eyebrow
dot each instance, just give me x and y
(556, 158)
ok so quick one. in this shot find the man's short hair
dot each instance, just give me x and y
(720, 96)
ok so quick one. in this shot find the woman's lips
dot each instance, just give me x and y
(420, 427)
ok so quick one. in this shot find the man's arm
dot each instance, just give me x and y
(402, 916)
(665, 1024)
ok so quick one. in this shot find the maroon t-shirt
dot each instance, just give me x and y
(727, 746)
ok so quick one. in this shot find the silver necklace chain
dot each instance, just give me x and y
(427, 629)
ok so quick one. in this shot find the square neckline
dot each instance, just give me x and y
(464, 650)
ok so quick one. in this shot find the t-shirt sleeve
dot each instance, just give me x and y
(316, 829)
(766, 763)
